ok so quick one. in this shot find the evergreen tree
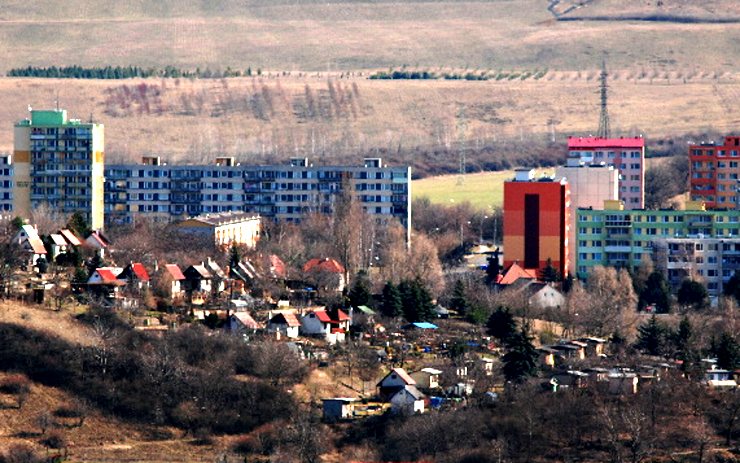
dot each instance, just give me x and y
(79, 225)
(727, 352)
(651, 337)
(693, 294)
(360, 294)
(520, 361)
(550, 274)
(459, 301)
(656, 293)
(392, 304)
(416, 300)
(501, 324)
(682, 344)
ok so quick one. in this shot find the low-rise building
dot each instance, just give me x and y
(225, 228)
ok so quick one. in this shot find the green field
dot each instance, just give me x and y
(483, 190)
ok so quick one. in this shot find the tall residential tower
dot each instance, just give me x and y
(59, 161)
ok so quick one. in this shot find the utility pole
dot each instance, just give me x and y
(604, 129)
(461, 126)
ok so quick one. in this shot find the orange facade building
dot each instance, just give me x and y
(714, 173)
(536, 222)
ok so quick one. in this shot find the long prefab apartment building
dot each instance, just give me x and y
(59, 161)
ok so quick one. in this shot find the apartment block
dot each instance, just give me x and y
(536, 221)
(711, 260)
(6, 184)
(280, 192)
(713, 173)
(590, 185)
(620, 238)
(627, 155)
(58, 161)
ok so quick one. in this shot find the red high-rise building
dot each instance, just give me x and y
(536, 222)
(713, 173)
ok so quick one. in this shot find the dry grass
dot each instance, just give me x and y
(390, 116)
(349, 34)
(61, 324)
(101, 438)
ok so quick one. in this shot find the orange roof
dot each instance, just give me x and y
(140, 271)
(341, 316)
(247, 320)
(515, 272)
(322, 316)
(288, 318)
(326, 264)
(36, 244)
(71, 237)
(175, 271)
(107, 275)
(277, 266)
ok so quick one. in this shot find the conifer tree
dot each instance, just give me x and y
(520, 361)
(651, 337)
(459, 301)
(392, 304)
(501, 324)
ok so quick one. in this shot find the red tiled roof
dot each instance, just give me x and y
(326, 264)
(289, 319)
(107, 275)
(341, 316)
(598, 142)
(322, 316)
(140, 271)
(175, 271)
(36, 244)
(71, 237)
(247, 320)
(277, 266)
(515, 272)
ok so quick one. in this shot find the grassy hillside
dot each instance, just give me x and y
(415, 122)
(350, 35)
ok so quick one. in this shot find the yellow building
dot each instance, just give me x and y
(226, 228)
(59, 162)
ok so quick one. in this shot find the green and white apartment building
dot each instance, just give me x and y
(690, 243)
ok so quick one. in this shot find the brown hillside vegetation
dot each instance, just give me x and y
(350, 34)
(416, 122)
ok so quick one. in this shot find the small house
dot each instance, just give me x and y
(328, 274)
(28, 239)
(544, 296)
(316, 322)
(623, 382)
(394, 381)
(594, 346)
(69, 236)
(98, 242)
(427, 378)
(284, 324)
(177, 281)
(59, 246)
(716, 377)
(104, 281)
(569, 379)
(198, 279)
(242, 322)
(135, 275)
(407, 400)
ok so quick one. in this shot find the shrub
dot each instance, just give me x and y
(54, 440)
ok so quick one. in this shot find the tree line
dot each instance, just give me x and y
(126, 72)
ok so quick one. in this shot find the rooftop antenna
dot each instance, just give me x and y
(56, 101)
(604, 129)
(461, 125)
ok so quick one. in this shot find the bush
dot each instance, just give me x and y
(54, 440)
(15, 384)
